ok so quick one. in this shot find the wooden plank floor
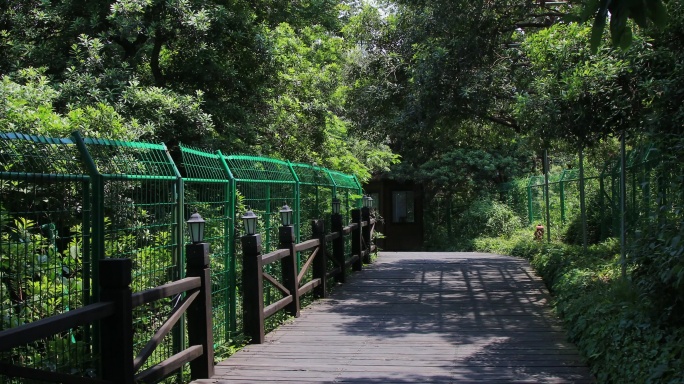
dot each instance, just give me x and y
(420, 318)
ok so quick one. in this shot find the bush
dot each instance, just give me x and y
(490, 218)
(596, 219)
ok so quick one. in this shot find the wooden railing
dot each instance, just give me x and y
(115, 314)
(292, 284)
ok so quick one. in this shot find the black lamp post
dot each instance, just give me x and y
(338, 243)
(366, 231)
(286, 238)
(198, 251)
(200, 312)
(252, 280)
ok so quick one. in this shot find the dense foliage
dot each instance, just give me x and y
(468, 94)
(264, 77)
(607, 317)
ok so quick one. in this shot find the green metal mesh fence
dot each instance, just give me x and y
(316, 190)
(44, 248)
(137, 216)
(66, 203)
(348, 190)
(644, 187)
(264, 185)
(210, 190)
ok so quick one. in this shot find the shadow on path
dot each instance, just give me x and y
(421, 318)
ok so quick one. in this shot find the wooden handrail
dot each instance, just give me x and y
(276, 284)
(306, 245)
(27, 333)
(306, 266)
(292, 285)
(277, 306)
(166, 290)
(274, 256)
(115, 315)
(170, 365)
(164, 330)
(306, 288)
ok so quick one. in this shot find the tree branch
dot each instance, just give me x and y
(505, 122)
(130, 48)
(154, 59)
(532, 25)
(548, 14)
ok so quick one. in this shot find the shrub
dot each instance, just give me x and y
(614, 324)
(487, 217)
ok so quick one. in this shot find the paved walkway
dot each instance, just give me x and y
(420, 318)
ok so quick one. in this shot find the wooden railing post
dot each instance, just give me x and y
(252, 288)
(320, 263)
(117, 330)
(338, 247)
(289, 267)
(356, 240)
(199, 313)
(366, 233)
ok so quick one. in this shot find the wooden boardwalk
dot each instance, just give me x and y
(420, 318)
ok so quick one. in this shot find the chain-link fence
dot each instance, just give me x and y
(644, 189)
(67, 203)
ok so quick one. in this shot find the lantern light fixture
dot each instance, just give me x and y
(249, 220)
(336, 205)
(367, 201)
(196, 227)
(286, 214)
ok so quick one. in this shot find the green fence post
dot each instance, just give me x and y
(602, 205)
(623, 195)
(229, 243)
(646, 188)
(583, 207)
(97, 236)
(177, 238)
(529, 201)
(448, 212)
(297, 206)
(562, 196)
(546, 195)
(97, 206)
(267, 219)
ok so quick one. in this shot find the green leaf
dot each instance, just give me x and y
(656, 11)
(590, 9)
(599, 25)
(625, 38)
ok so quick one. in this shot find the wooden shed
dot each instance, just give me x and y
(400, 204)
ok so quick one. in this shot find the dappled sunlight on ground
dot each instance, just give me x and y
(421, 317)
